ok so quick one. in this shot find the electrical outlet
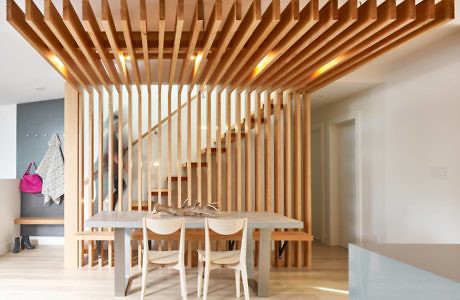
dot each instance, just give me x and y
(440, 172)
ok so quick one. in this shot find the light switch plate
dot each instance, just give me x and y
(440, 172)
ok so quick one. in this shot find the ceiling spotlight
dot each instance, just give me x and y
(263, 63)
(328, 66)
(57, 62)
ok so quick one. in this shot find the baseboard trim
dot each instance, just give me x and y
(6, 247)
(47, 240)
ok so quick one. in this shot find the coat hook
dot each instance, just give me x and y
(36, 134)
(27, 135)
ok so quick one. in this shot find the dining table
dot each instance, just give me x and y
(123, 222)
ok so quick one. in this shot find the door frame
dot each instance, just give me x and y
(332, 177)
(321, 128)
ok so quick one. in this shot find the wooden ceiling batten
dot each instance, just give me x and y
(16, 18)
(405, 14)
(328, 15)
(347, 15)
(433, 15)
(210, 34)
(179, 26)
(296, 50)
(307, 19)
(90, 23)
(57, 26)
(35, 19)
(197, 23)
(231, 24)
(244, 31)
(127, 32)
(145, 43)
(83, 41)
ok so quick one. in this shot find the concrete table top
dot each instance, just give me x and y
(133, 219)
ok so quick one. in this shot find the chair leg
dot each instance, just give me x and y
(183, 282)
(200, 279)
(144, 279)
(244, 274)
(237, 283)
(206, 281)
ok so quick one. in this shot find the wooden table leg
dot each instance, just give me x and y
(122, 264)
(250, 255)
(264, 263)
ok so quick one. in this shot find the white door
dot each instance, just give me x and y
(346, 189)
(317, 185)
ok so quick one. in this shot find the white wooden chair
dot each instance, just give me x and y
(235, 260)
(169, 259)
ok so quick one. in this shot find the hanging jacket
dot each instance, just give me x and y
(51, 169)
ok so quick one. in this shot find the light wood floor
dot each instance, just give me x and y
(38, 274)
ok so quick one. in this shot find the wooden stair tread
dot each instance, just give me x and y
(155, 192)
(39, 221)
(194, 164)
(176, 178)
(213, 150)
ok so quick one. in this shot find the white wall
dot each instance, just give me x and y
(10, 210)
(8, 138)
(410, 135)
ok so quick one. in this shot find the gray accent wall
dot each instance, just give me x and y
(36, 123)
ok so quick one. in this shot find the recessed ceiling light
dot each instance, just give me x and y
(40, 88)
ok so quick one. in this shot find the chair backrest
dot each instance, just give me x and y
(165, 227)
(227, 227)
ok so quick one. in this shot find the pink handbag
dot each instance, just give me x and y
(31, 183)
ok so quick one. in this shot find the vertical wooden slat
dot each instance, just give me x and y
(247, 156)
(100, 167)
(169, 156)
(298, 169)
(257, 153)
(238, 151)
(277, 167)
(71, 130)
(91, 170)
(189, 145)
(110, 169)
(189, 164)
(198, 144)
(219, 147)
(287, 169)
(81, 179)
(307, 175)
(120, 150)
(149, 148)
(139, 167)
(179, 147)
(130, 148)
(228, 146)
(208, 146)
(159, 160)
(267, 148)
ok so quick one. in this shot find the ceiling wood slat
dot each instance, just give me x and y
(197, 23)
(57, 26)
(85, 44)
(249, 49)
(16, 18)
(145, 44)
(179, 26)
(127, 32)
(231, 24)
(429, 15)
(348, 14)
(211, 31)
(243, 33)
(328, 16)
(36, 21)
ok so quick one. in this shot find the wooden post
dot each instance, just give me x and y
(307, 175)
(71, 132)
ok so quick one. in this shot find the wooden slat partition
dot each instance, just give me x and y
(238, 152)
(276, 54)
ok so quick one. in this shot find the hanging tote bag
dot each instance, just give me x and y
(30, 183)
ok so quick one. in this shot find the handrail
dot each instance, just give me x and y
(162, 121)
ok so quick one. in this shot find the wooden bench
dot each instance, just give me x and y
(39, 221)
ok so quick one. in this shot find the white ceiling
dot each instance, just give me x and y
(25, 76)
